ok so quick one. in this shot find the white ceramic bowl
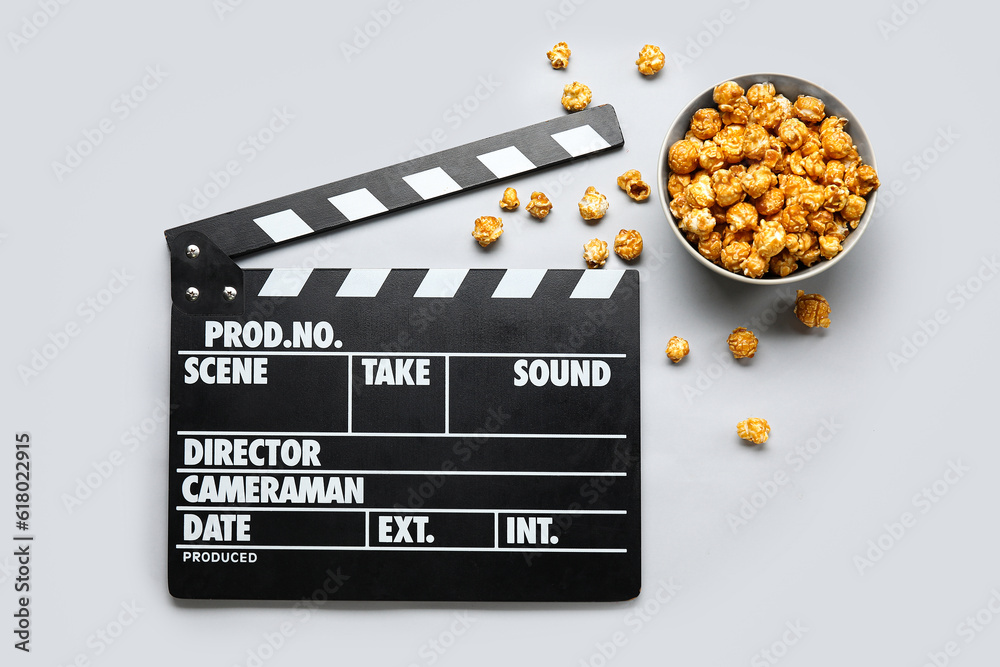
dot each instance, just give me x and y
(791, 87)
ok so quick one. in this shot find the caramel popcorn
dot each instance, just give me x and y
(730, 140)
(706, 123)
(559, 55)
(698, 221)
(754, 430)
(576, 96)
(594, 205)
(783, 182)
(760, 93)
(734, 254)
(809, 109)
(711, 158)
(727, 187)
(677, 348)
(700, 194)
(650, 60)
(628, 244)
(682, 158)
(812, 310)
(854, 209)
(595, 253)
(742, 342)
(742, 216)
(488, 229)
(633, 185)
(509, 201)
(539, 205)
(726, 94)
(710, 246)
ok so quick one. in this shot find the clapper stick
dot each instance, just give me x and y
(410, 183)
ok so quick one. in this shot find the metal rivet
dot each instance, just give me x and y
(229, 293)
(192, 293)
(193, 251)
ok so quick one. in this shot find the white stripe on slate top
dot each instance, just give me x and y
(432, 183)
(283, 225)
(580, 140)
(363, 282)
(506, 162)
(519, 284)
(285, 282)
(596, 284)
(358, 204)
(440, 283)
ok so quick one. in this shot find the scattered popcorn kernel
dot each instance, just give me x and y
(760, 93)
(854, 209)
(650, 60)
(683, 156)
(594, 205)
(595, 253)
(812, 310)
(754, 430)
(559, 55)
(509, 201)
(539, 205)
(733, 255)
(628, 244)
(633, 185)
(742, 343)
(576, 96)
(726, 94)
(488, 229)
(706, 123)
(809, 109)
(677, 348)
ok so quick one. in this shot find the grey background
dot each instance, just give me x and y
(899, 426)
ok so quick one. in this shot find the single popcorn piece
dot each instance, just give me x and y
(726, 94)
(742, 342)
(734, 254)
(594, 205)
(739, 114)
(682, 158)
(633, 185)
(628, 244)
(677, 348)
(706, 123)
(829, 246)
(711, 158)
(809, 109)
(783, 264)
(854, 209)
(700, 193)
(754, 430)
(710, 246)
(755, 265)
(676, 184)
(812, 310)
(698, 221)
(595, 253)
(509, 201)
(756, 142)
(741, 216)
(576, 96)
(559, 55)
(650, 60)
(760, 93)
(488, 229)
(539, 205)
(793, 132)
(730, 140)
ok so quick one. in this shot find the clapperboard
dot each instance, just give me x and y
(412, 434)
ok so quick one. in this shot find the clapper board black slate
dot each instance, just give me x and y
(404, 434)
